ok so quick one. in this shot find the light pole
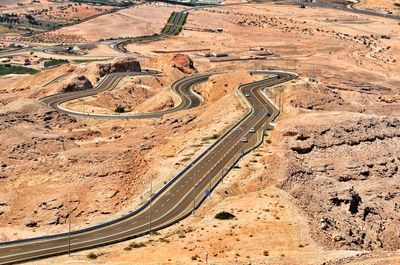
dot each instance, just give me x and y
(224, 166)
(151, 200)
(150, 218)
(209, 188)
(69, 226)
(223, 169)
(151, 186)
(194, 193)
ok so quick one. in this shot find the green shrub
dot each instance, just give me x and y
(55, 62)
(137, 245)
(215, 136)
(92, 255)
(4, 70)
(120, 109)
(224, 216)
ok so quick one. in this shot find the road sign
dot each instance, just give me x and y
(242, 152)
(208, 192)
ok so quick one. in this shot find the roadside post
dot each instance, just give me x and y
(69, 226)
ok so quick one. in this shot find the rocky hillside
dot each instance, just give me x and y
(220, 85)
(345, 174)
(339, 143)
(183, 63)
(128, 96)
(77, 83)
(127, 64)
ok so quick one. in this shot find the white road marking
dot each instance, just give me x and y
(15, 249)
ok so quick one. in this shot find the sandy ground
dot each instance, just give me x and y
(349, 79)
(142, 20)
(46, 12)
(380, 5)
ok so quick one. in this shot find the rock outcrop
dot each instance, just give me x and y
(220, 85)
(129, 96)
(183, 63)
(344, 173)
(77, 84)
(127, 64)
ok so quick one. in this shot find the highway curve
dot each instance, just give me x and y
(349, 8)
(178, 198)
(182, 87)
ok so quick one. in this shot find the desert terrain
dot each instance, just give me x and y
(382, 6)
(141, 20)
(323, 188)
(22, 18)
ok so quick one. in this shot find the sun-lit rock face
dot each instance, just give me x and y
(127, 64)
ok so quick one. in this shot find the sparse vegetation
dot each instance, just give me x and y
(55, 62)
(135, 245)
(105, 2)
(180, 24)
(185, 159)
(92, 255)
(20, 70)
(85, 61)
(215, 136)
(224, 216)
(212, 137)
(120, 109)
(171, 20)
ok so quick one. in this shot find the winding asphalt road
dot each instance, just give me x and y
(178, 198)
(119, 45)
(182, 87)
(349, 8)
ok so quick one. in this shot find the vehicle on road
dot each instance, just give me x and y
(244, 140)
(247, 95)
(252, 130)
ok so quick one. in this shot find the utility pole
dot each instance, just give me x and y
(209, 188)
(194, 193)
(313, 73)
(151, 200)
(151, 186)
(150, 218)
(69, 226)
